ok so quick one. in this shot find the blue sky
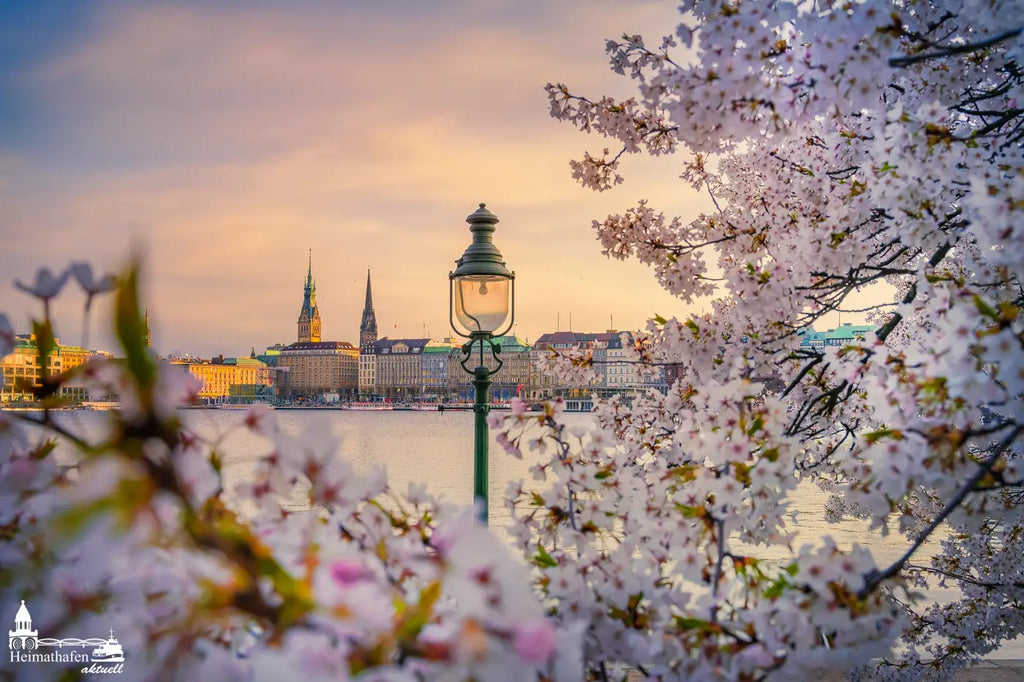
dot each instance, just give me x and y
(223, 140)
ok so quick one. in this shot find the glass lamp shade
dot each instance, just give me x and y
(481, 301)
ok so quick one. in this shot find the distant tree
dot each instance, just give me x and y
(844, 145)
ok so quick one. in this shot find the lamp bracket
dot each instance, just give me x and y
(482, 340)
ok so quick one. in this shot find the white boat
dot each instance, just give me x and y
(101, 405)
(109, 651)
(242, 406)
(368, 407)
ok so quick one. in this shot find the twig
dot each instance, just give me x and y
(875, 577)
(907, 60)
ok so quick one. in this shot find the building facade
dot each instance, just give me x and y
(23, 373)
(614, 372)
(847, 333)
(368, 370)
(316, 368)
(510, 381)
(543, 384)
(434, 371)
(238, 380)
(399, 370)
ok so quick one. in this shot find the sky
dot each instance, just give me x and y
(222, 141)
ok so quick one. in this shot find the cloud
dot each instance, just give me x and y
(227, 140)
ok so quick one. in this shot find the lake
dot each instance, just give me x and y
(437, 449)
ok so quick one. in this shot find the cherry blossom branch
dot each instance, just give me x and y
(964, 578)
(951, 50)
(711, 193)
(883, 332)
(47, 422)
(875, 577)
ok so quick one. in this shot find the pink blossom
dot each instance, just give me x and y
(519, 406)
(756, 655)
(347, 572)
(535, 641)
(260, 420)
(83, 273)
(6, 336)
(46, 285)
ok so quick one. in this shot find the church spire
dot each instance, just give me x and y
(369, 296)
(309, 316)
(368, 327)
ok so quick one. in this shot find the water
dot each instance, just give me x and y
(415, 447)
(437, 449)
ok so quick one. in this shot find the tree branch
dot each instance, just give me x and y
(875, 577)
(951, 50)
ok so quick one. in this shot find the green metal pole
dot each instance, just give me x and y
(481, 406)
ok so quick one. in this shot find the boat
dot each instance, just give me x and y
(368, 407)
(243, 406)
(100, 405)
(109, 651)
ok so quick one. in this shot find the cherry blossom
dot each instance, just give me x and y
(82, 272)
(6, 336)
(844, 147)
(46, 284)
(847, 149)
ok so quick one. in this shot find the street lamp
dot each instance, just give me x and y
(481, 301)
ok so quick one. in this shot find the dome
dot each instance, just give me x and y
(23, 615)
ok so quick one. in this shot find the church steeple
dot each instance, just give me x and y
(309, 316)
(368, 327)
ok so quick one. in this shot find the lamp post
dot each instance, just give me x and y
(481, 301)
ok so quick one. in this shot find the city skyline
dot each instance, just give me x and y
(222, 142)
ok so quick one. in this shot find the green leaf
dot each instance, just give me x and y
(690, 623)
(689, 511)
(882, 433)
(131, 332)
(776, 589)
(416, 618)
(543, 559)
(984, 308)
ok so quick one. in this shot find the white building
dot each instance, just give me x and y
(22, 637)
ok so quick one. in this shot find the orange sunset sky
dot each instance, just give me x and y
(223, 140)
